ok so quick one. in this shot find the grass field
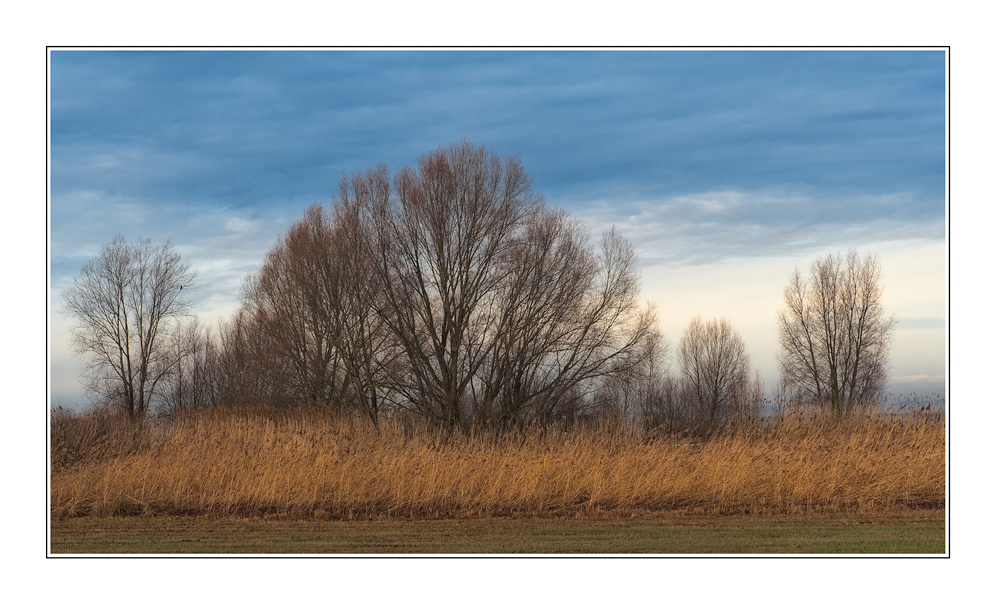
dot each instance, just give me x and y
(921, 532)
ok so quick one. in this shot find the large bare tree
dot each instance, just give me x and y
(437, 243)
(128, 305)
(449, 291)
(834, 334)
(498, 307)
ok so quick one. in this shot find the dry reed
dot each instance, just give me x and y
(244, 463)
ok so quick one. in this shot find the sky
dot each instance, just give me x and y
(726, 169)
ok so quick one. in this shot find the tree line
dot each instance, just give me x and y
(449, 292)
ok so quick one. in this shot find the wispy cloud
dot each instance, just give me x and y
(716, 226)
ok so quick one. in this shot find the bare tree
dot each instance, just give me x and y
(127, 303)
(189, 385)
(638, 391)
(498, 309)
(714, 367)
(242, 364)
(312, 303)
(437, 247)
(360, 334)
(834, 334)
(568, 317)
(449, 292)
(286, 302)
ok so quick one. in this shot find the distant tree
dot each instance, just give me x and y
(715, 369)
(834, 334)
(640, 391)
(658, 391)
(189, 386)
(128, 306)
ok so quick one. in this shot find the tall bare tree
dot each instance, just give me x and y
(499, 308)
(835, 335)
(715, 368)
(127, 304)
(437, 246)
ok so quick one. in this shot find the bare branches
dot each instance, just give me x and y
(438, 246)
(127, 304)
(448, 290)
(715, 368)
(834, 334)
(496, 307)
(451, 292)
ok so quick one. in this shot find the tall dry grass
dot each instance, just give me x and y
(253, 463)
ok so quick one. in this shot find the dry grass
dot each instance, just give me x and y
(241, 463)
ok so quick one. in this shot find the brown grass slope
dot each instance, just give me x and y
(303, 465)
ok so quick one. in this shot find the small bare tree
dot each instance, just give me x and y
(835, 335)
(128, 304)
(189, 386)
(637, 391)
(715, 369)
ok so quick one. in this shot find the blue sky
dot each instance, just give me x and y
(727, 169)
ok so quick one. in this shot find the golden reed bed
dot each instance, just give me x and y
(245, 463)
